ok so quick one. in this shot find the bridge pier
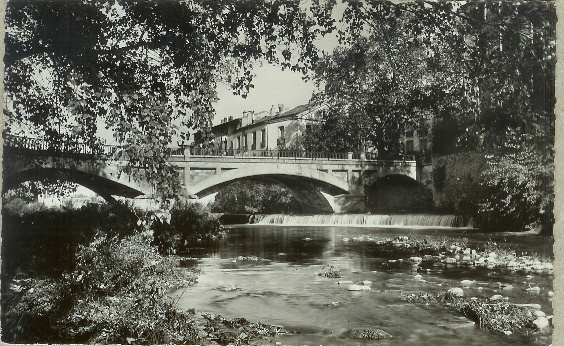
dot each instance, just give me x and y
(187, 176)
(347, 203)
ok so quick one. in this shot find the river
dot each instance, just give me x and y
(268, 273)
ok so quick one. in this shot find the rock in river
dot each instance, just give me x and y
(358, 288)
(541, 322)
(467, 283)
(457, 291)
(365, 333)
(539, 314)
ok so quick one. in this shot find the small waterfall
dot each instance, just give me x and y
(362, 220)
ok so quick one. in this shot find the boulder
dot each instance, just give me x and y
(457, 291)
(539, 314)
(466, 283)
(541, 322)
(496, 297)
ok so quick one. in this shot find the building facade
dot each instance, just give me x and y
(276, 129)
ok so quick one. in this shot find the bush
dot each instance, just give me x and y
(189, 222)
(116, 293)
(43, 242)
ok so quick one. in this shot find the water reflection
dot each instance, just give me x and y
(269, 274)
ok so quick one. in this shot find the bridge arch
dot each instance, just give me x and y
(395, 193)
(96, 183)
(333, 183)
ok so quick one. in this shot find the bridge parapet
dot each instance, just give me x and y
(38, 144)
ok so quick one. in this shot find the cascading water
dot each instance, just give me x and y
(363, 220)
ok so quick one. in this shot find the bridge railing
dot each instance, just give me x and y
(40, 144)
(258, 153)
(283, 154)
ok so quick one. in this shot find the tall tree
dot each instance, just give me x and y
(488, 85)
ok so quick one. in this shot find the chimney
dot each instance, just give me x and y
(280, 108)
(272, 111)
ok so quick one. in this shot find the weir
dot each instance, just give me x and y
(361, 220)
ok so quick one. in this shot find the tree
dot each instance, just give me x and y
(374, 88)
(145, 70)
(488, 86)
(479, 59)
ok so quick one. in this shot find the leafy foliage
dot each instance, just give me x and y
(522, 183)
(189, 222)
(116, 293)
(482, 71)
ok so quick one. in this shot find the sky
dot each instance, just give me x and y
(272, 87)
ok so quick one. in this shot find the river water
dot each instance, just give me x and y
(269, 273)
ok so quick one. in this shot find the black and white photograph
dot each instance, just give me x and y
(278, 172)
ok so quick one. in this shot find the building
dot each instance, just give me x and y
(276, 129)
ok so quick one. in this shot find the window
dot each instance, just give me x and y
(254, 143)
(281, 132)
(238, 142)
(263, 138)
(409, 146)
(246, 141)
(308, 128)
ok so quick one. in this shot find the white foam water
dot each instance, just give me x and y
(360, 220)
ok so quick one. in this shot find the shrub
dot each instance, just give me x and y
(116, 293)
(189, 222)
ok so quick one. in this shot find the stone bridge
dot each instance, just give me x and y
(340, 176)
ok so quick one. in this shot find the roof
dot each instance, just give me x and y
(274, 118)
